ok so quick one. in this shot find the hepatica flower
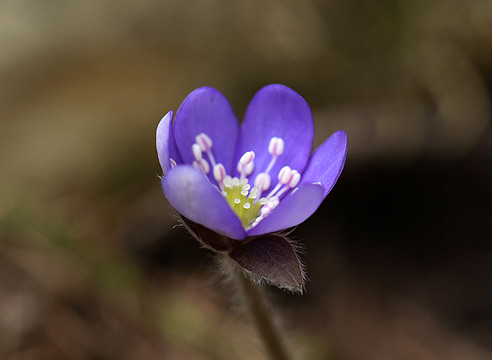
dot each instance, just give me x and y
(243, 182)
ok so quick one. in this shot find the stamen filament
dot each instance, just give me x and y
(270, 165)
(281, 192)
(211, 158)
(275, 189)
(245, 200)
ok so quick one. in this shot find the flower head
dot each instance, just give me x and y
(247, 180)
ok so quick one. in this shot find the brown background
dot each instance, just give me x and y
(399, 256)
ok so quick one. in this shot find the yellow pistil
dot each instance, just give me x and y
(241, 198)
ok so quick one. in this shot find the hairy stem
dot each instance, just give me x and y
(254, 297)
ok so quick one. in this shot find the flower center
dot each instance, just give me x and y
(243, 199)
(246, 200)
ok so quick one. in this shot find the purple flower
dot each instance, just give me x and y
(247, 180)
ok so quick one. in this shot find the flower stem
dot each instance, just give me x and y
(254, 297)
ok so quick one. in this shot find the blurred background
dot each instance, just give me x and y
(399, 255)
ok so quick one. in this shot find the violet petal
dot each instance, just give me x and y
(165, 143)
(206, 110)
(277, 111)
(293, 210)
(192, 195)
(327, 161)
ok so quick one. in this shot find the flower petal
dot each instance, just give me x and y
(277, 111)
(293, 210)
(194, 197)
(327, 162)
(165, 143)
(206, 110)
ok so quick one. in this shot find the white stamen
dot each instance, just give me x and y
(256, 222)
(205, 144)
(262, 181)
(247, 158)
(281, 192)
(248, 169)
(211, 157)
(204, 141)
(283, 178)
(275, 189)
(219, 173)
(287, 179)
(276, 146)
(269, 206)
(244, 199)
(173, 163)
(197, 152)
(202, 165)
(284, 175)
(294, 179)
(205, 166)
(270, 165)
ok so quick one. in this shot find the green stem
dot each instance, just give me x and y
(255, 299)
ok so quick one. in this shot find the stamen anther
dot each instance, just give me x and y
(204, 141)
(262, 181)
(248, 169)
(276, 146)
(173, 163)
(284, 175)
(197, 152)
(202, 165)
(219, 175)
(247, 158)
(294, 179)
(219, 172)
